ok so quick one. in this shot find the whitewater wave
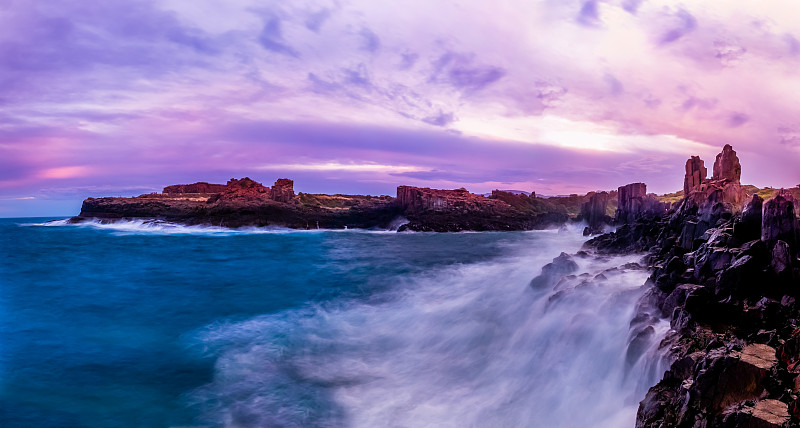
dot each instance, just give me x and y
(161, 227)
(467, 345)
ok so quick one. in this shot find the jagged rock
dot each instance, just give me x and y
(742, 272)
(779, 221)
(677, 298)
(283, 190)
(695, 174)
(710, 260)
(552, 272)
(726, 165)
(593, 212)
(749, 227)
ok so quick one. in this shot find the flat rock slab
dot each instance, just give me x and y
(761, 356)
(771, 413)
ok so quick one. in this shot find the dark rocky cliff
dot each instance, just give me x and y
(726, 274)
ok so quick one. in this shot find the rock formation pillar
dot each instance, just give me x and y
(696, 173)
(727, 166)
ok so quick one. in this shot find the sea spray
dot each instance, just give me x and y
(463, 345)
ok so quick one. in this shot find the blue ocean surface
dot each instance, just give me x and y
(142, 324)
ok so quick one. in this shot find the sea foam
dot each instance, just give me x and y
(465, 345)
(161, 227)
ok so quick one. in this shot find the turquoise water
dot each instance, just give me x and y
(156, 325)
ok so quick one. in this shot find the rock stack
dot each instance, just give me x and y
(725, 178)
(593, 212)
(695, 174)
(633, 203)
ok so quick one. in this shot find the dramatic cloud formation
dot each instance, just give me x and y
(125, 97)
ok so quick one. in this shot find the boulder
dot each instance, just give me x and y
(727, 166)
(552, 272)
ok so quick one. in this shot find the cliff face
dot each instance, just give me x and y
(728, 281)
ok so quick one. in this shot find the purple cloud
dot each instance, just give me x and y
(588, 14)
(315, 20)
(370, 41)
(687, 24)
(459, 71)
(271, 38)
(136, 95)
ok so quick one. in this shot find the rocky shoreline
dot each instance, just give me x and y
(725, 273)
(245, 202)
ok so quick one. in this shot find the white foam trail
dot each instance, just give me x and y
(160, 227)
(466, 346)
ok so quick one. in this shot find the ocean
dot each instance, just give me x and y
(141, 324)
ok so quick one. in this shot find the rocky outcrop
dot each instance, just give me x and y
(199, 187)
(727, 166)
(696, 173)
(728, 283)
(633, 203)
(593, 212)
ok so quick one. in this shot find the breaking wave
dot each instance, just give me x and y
(161, 227)
(464, 345)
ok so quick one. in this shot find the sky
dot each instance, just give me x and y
(119, 98)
